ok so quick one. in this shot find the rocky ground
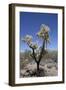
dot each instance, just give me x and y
(47, 68)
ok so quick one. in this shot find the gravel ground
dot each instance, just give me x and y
(47, 68)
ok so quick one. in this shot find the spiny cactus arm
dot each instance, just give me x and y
(27, 39)
(32, 45)
(42, 50)
(34, 55)
(44, 35)
(44, 29)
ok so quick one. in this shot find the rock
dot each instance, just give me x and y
(48, 69)
(22, 72)
(26, 74)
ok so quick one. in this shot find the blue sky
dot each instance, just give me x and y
(30, 24)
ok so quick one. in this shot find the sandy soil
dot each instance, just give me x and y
(47, 68)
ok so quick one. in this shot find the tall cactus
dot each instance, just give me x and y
(44, 35)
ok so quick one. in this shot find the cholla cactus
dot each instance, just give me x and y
(33, 45)
(44, 29)
(27, 39)
(44, 35)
